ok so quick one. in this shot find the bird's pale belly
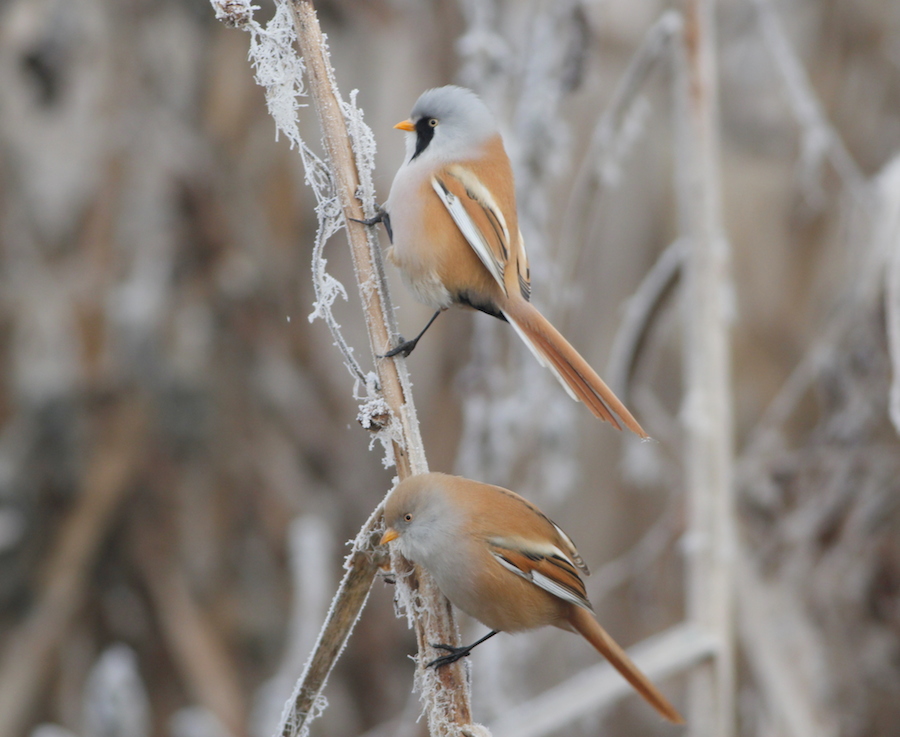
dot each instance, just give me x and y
(426, 287)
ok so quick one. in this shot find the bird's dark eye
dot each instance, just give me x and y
(433, 122)
(407, 517)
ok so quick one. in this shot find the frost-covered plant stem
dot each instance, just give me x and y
(409, 454)
(446, 693)
(710, 539)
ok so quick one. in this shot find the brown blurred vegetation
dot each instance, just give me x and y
(175, 434)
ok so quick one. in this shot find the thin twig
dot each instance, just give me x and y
(348, 602)
(820, 138)
(312, 543)
(608, 131)
(638, 315)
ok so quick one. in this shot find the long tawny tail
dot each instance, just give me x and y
(584, 622)
(573, 372)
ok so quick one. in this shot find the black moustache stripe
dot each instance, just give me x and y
(424, 134)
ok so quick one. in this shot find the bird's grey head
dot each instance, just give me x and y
(449, 123)
(417, 513)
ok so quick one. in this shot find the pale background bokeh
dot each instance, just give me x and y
(154, 289)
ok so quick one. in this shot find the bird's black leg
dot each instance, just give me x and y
(455, 653)
(406, 346)
(380, 216)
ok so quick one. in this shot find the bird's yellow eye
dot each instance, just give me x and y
(433, 122)
(407, 517)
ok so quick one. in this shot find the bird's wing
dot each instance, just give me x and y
(545, 566)
(563, 544)
(570, 550)
(524, 269)
(481, 221)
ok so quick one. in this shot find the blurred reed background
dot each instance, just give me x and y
(180, 462)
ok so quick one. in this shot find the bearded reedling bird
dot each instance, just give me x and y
(451, 218)
(498, 558)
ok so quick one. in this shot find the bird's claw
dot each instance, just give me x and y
(381, 216)
(453, 654)
(374, 220)
(404, 349)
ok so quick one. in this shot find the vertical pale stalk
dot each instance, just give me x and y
(710, 539)
(409, 453)
(446, 692)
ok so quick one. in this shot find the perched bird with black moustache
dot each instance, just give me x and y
(451, 217)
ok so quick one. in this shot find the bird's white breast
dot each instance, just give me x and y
(410, 250)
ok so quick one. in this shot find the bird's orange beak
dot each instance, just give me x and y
(406, 125)
(389, 534)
